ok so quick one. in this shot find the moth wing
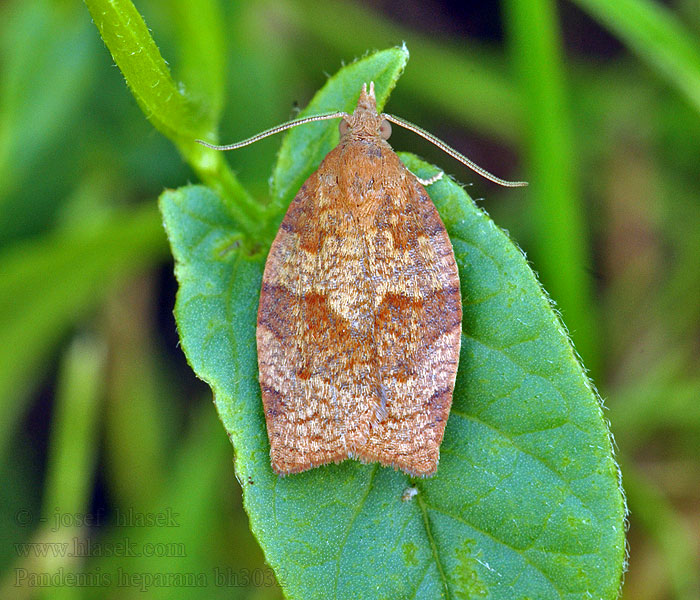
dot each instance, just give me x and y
(296, 335)
(418, 333)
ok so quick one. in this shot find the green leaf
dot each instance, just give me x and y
(526, 501)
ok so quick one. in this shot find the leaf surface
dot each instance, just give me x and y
(526, 502)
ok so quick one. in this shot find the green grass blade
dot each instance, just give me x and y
(560, 248)
(189, 506)
(200, 37)
(72, 457)
(30, 118)
(47, 284)
(73, 448)
(657, 36)
(464, 81)
(139, 420)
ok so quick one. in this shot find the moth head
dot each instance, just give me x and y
(365, 122)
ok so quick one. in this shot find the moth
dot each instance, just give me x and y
(359, 321)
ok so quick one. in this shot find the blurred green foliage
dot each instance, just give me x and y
(99, 414)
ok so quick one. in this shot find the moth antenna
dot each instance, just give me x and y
(274, 130)
(452, 152)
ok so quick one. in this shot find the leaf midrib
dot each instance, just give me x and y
(422, 505)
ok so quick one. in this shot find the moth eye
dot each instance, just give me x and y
(385, 129)
(343, 127)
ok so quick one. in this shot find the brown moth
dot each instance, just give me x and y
(360, 313)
